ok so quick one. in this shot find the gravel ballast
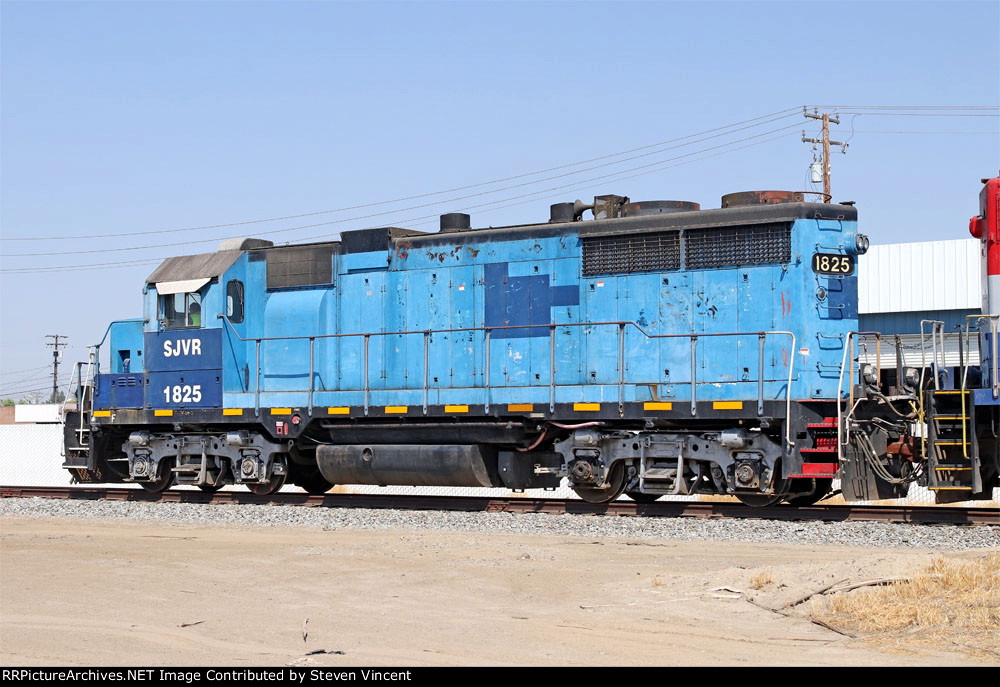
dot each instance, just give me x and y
(874, 534)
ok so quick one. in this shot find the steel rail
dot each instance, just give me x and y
(924, 515)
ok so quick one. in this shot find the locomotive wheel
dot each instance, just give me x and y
(164, 481)
(276, 482)
(270, 487)
(822, 488)
(639, 497)
(616, 480)
(759, 500)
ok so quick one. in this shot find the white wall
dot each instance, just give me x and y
(46, 412)
(30, 456)
(929, 275)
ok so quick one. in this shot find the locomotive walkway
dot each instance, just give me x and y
(924, 515)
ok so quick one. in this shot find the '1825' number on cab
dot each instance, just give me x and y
(831, 263)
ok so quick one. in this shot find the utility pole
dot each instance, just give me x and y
(826, 119)
(56, 345)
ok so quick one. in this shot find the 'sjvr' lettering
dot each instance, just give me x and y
(181, 347)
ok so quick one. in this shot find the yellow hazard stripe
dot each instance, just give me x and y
(586, 406)
(727, 405)
(339, 410)
(102, 413)
(456, 409)
(232, 411)
(163, 413)
(520, 407)
(395, 409)
(281, 411)
(653, 405)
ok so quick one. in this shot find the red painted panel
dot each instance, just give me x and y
(986, 226)
(819, 469)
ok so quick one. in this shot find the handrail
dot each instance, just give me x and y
(621, 324)
(994, 330)
(97, 346)
(841, 436)
(937, 326)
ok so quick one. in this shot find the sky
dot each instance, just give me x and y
(146, 117)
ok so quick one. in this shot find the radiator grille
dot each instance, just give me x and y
(746, 245)
(635, 253)
(305, 266)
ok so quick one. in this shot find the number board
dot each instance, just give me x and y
(832, 263)
(184, 389)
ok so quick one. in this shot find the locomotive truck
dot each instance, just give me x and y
(654, 349)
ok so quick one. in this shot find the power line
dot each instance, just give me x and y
(412, 207)
(588, 183)
(781, 114)
(88, 266)
(910, 107)
(569, 187)
(30, 369)
(880, 131)
(416, 207)
(917, 114)
(30, 388)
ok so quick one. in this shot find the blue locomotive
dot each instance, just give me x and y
(655, 349)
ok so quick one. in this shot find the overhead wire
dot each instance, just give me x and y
(924, 133)
(412, 207)
(531, 197)
(919, 114)
(30, 369)
(409, 223)
(31, 388)
(780, 114)
(617, 175)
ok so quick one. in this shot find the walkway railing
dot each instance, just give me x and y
(488, 332)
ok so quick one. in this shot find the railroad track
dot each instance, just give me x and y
(927, 515)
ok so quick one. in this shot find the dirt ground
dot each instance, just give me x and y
(80, 592)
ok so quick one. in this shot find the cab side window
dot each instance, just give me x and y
(180, 310)
(234, 301)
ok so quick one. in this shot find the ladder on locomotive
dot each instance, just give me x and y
(953, 457)
(79, 454)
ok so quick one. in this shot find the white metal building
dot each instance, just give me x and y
(901, 284)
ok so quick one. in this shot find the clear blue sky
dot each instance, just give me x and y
(131, 117)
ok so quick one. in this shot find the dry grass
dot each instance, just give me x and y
(762, 579)
(951, 604)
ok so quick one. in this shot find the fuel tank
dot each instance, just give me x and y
(457, 465)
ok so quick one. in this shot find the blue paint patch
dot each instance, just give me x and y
(984, 397)
(842, 299)
(512, 301)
